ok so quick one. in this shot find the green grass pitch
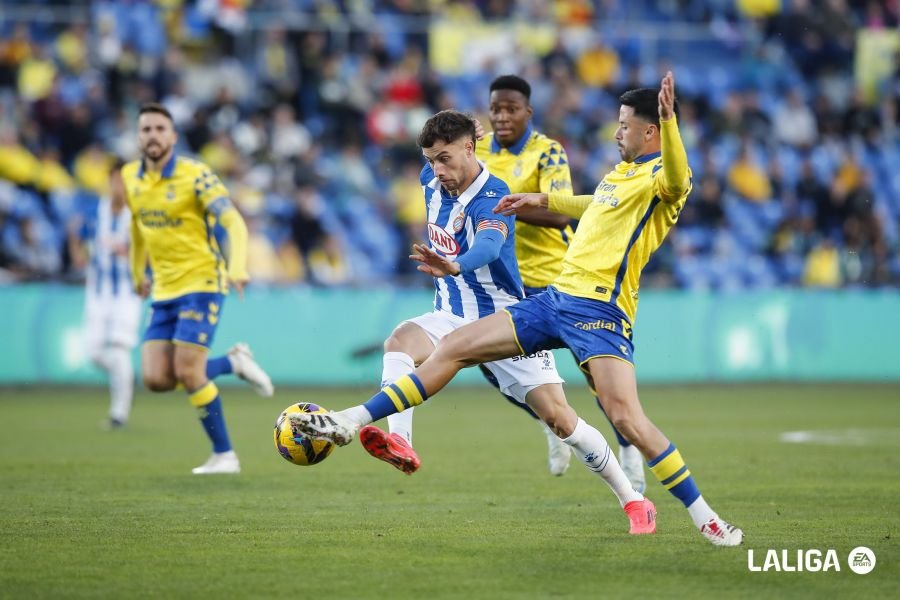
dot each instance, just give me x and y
(88, 513)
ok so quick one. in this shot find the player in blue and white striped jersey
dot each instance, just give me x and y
(471, 255)
(455, 225)
(112, 308)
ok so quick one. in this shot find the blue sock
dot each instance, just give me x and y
(622, 441)
(672, 472)
(209, 407)
(396, 397)
(493, 381)
(218, 366)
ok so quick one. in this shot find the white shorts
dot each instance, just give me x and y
(111, 320)
(517, 376)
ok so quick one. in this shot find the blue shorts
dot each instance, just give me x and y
(589, 328)
(189, 319)
(533, 291)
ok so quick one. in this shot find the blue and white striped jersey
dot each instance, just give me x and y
(453, 222)
(109, 269)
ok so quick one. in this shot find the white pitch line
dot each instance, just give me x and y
(842, 437)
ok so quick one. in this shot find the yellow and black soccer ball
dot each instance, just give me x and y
(300, 450)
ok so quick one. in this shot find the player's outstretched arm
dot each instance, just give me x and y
(513, 204)
(532, 209)
(571, 206)
(675, 182)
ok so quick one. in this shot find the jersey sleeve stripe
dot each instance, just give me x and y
(493, 224)
(623, 268)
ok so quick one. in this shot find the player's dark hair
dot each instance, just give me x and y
(512, 82)
(156, 107)
(446, 126)
(645, 102)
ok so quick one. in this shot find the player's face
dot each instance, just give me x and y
(509, 113)
(633, 134)
(156, 136)
(451, 163)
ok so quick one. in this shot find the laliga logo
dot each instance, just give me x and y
(442, 241)
(861, 560)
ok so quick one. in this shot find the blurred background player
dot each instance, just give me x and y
(112, 308)
(175, 202)
(471, 254)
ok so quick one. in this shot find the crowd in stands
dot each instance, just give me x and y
(308, 110)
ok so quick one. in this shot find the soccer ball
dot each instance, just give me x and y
(307, 452)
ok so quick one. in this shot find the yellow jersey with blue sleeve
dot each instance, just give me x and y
(174, 212)
(623, 223)
(535, 163)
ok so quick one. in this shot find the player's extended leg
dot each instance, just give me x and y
(239, 360)
(407, 346)
(485, 340)
(190, 370)
(617, 387)
(558, 453)
(629, 456)
(549, 403)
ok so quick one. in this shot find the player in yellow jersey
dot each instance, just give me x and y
(175, 203)
(529, 161)
(589, 307)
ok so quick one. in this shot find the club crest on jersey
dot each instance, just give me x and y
(458, 222)
(442, 241)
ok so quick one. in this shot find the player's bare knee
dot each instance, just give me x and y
(394, 343)
(155, 383)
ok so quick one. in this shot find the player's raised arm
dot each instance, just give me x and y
(675, 182)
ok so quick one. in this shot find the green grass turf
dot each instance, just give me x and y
(88, 513)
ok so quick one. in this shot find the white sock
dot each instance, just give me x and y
(396, 365)
(591, 448)
(701, 512)
(357, 414)
(121, 382)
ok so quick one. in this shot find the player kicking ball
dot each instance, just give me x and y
(590, 306)
(471, 255)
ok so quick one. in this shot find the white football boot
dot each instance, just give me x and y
(720, 533)
(246, 368)
(558, 453)
(331, 426)
(219, 462)
(633, 464)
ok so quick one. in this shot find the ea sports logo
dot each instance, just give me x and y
(861, 560)
(442, 241)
